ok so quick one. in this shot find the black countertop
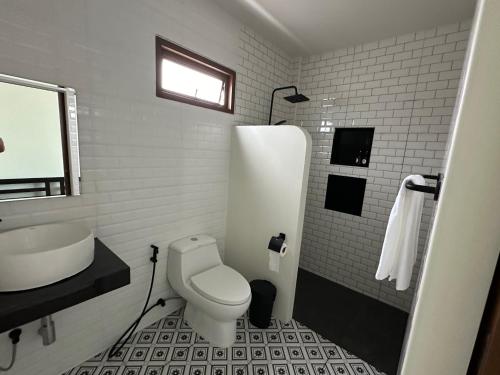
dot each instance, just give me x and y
(108, 272)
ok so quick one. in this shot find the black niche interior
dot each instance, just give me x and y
(352, 146)
(345, 194)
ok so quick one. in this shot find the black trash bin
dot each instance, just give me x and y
(261, 307)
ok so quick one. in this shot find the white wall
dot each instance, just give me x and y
(267, 196)
(465, 241)
(405, 88)
(30, 127)
(152, 170)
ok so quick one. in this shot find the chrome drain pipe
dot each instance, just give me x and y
(47, 330)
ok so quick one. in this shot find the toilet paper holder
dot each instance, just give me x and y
(276, 242)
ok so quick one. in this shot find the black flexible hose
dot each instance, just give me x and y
(117, 347)
(14, 338)
(12, 359)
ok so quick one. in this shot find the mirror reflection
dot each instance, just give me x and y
(38, 140)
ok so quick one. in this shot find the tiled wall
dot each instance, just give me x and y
(153, 170)
(264, 67)
(404, 87)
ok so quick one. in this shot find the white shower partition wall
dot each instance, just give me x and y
(267, 193)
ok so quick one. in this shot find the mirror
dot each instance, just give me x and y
(39, 154)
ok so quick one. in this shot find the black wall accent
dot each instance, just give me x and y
(345, 194)
(352, 146)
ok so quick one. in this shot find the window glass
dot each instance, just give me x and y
(190, 82)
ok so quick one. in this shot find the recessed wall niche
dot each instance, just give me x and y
(352, 146)
(345, 194)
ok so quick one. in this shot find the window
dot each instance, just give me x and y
(187, 77)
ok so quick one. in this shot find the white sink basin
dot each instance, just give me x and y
(36, 256)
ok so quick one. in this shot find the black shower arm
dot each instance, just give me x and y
(272, 98)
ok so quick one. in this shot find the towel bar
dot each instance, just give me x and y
(427, 189)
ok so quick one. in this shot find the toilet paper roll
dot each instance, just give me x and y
(275, 258)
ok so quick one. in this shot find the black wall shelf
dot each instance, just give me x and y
(352, 146)
(345, 194)
(108, 272)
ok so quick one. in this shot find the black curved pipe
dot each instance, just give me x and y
(296, 98)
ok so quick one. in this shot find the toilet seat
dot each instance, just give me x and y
(222, 284)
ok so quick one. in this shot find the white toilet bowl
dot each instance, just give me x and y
(216, 294)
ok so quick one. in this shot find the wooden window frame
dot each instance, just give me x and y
(65, 144)
(166, 49)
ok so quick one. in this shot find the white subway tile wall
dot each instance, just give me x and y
(405, 87)
(153, 170)
(263, 68)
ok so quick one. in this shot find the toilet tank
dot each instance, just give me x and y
(189, 256)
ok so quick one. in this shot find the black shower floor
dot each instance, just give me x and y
(368, 328)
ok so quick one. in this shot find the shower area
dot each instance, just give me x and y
(376, 113)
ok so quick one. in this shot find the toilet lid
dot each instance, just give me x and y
(222, 284)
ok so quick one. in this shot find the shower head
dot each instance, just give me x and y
(297, 98)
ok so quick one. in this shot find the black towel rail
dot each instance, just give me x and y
(427, 189)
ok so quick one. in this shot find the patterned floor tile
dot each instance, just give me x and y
(175, 369)
(153, 370)
(170, 347)
(131, 370)
(259, 369)
(109, 370)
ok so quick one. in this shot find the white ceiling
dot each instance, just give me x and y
(315, 26)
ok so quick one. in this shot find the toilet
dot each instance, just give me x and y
(216, 294)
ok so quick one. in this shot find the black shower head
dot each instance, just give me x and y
(297, 98)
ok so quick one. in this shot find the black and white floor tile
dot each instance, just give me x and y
(170, 347)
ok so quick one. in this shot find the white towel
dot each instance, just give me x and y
(399, 251)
